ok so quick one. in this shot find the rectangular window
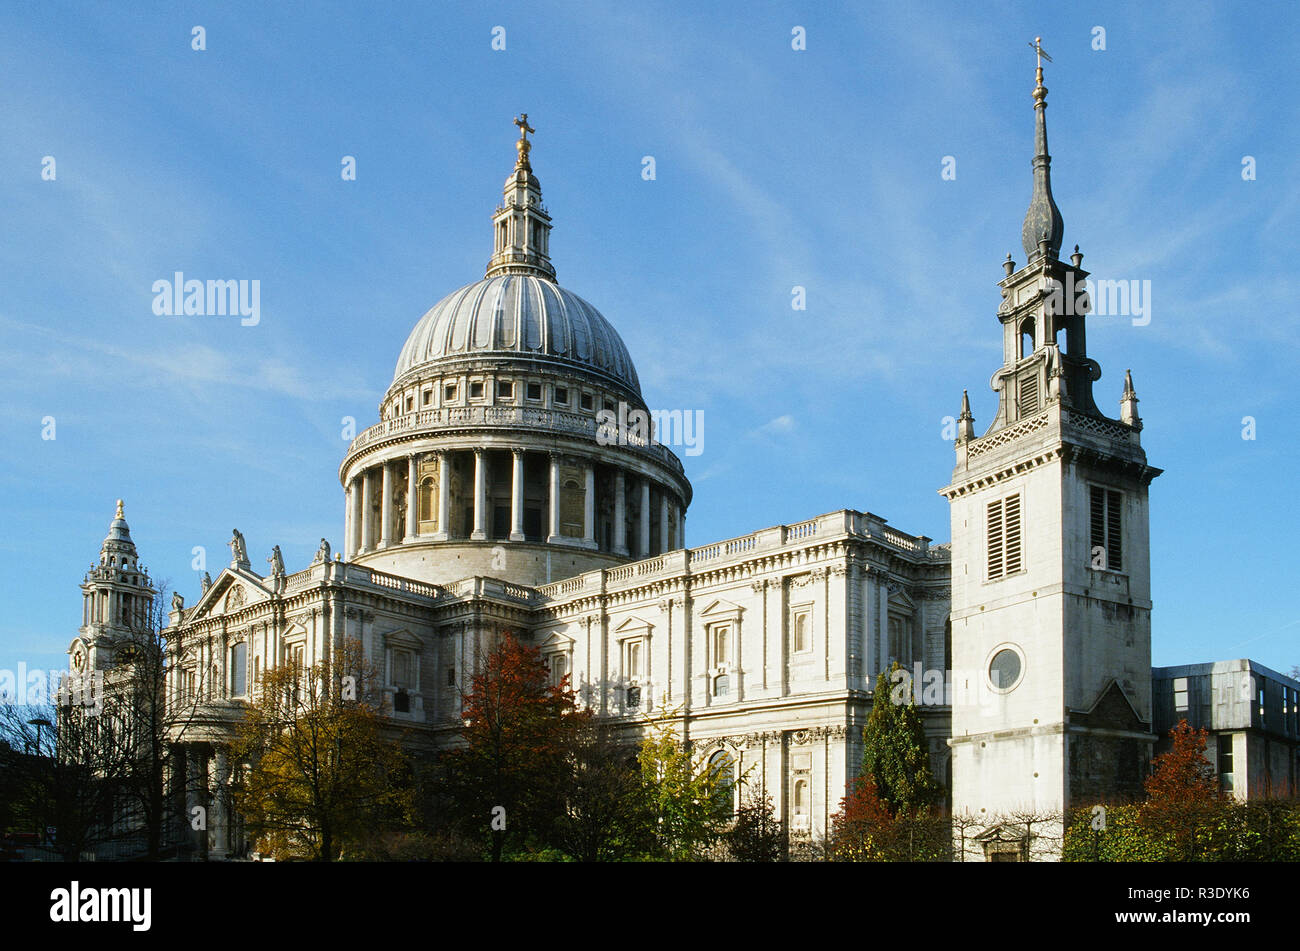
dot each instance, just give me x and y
(1004, 552)
(1105, 529)
(476, 390)
(239, 669)
(410, 403)
(427, 397)
(1225, 762)
(585, 401)
(1180, 695)
(402, 669)
(534, 391)
(633, 668)
(505, 390)
(561, 396)
(451, 676)
(449, 393)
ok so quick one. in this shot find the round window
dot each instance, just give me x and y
(1004, 669)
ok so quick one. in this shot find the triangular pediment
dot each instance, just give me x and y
(721, 608)
(233, 590)
(899, 599)
(632, 625)
(401, 637)
(556, 641)
(1112, 709)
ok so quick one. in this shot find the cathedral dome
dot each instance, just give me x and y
(514, 314)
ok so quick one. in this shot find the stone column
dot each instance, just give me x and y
(480, 496)
(218, 820)
(412, 499)
(620, 513)
(347, 520)
(444, 497)
(354, 540)
(665, 543)
(195, 797)
(386, 507)
(643, 536)
(681, 526)
(554, 499)
(367, 512)
(589, 508)
(517, 498)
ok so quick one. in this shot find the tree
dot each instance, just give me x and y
(683, 796)
(757, 835)
(158, 723)
(606, 815)
(506, 782)
(321, 776)
(894, 751)
(863, 828)
(1183, 797)
(1182, 774)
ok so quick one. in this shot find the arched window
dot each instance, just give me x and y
(1026, 337)
(722, 766)
(721, 685)
(800, 798)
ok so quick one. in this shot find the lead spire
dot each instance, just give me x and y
(521, 227)
(1043, 227)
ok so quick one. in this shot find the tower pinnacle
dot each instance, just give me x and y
(521, 226)
(1043, 228)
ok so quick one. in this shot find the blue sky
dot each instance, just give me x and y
(775, 168)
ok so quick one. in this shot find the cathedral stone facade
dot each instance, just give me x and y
(485, 501)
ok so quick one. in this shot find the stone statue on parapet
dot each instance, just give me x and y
(238, 551)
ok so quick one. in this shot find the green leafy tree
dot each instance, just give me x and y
(682, 795)
(606, 815)
(757, 834)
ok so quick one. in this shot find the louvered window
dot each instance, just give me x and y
(1105, 529)
(1004, 534)
(1029, 394)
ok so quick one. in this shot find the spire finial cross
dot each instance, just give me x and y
(525, 128)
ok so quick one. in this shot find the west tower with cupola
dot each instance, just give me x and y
(1051, 599)
(117, 602)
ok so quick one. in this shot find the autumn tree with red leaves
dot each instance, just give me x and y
(1184, 802)
(862, 830)
(508, 779)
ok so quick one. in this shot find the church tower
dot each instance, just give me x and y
(1051, 601)
(117, 601)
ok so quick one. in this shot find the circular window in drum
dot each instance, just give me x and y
(1005, 669)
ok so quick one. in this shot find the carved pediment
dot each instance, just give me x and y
(233, 590)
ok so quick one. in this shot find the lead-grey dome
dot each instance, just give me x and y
(518, 314)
